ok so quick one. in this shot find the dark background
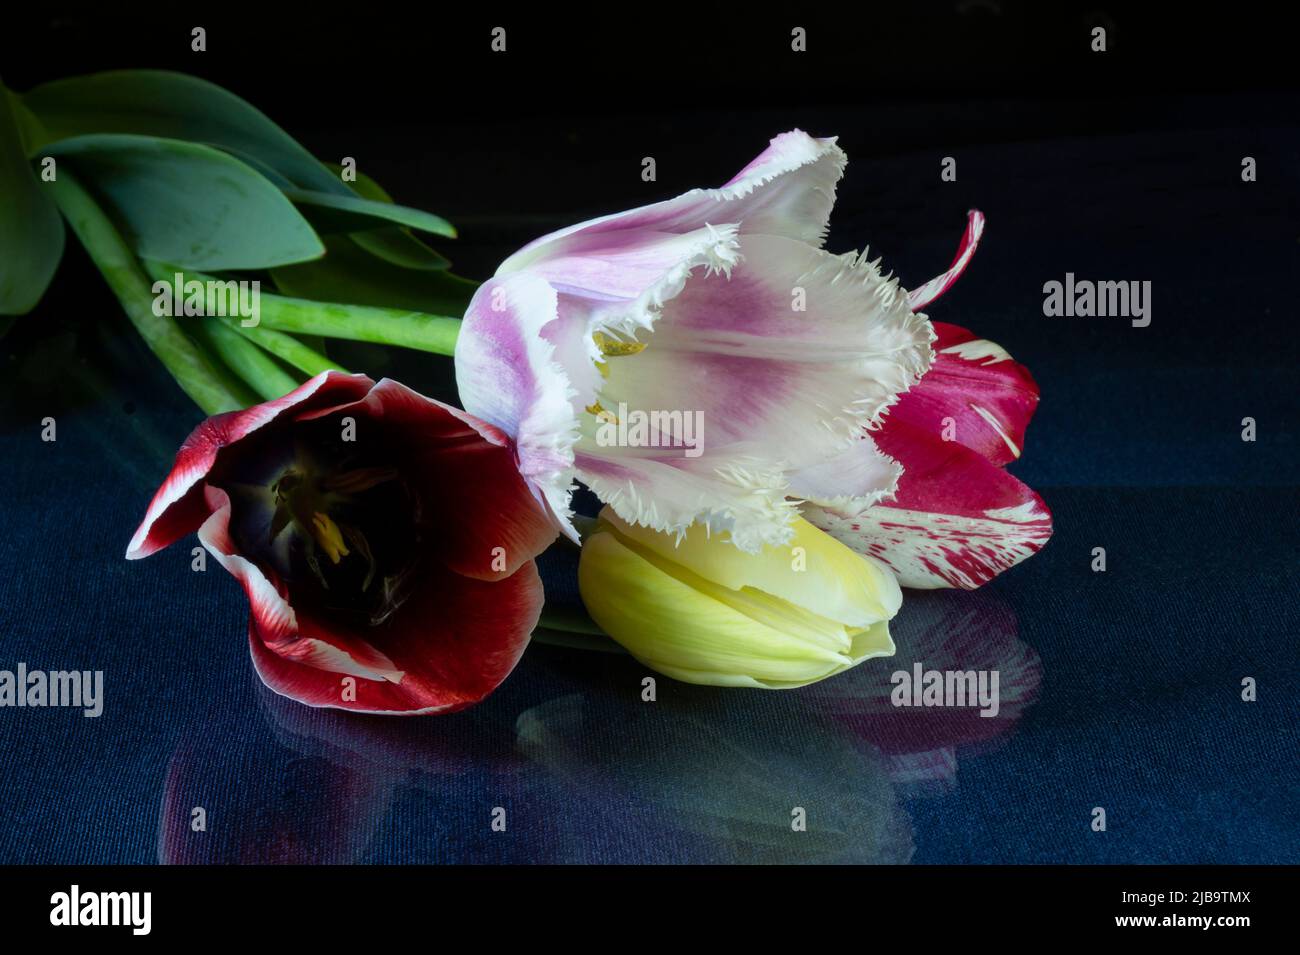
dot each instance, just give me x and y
(1122, 165)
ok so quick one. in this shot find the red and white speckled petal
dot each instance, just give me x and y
(975, 392)
(922, 296)
(957, 520)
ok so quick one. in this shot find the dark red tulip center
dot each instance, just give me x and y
(339, 527)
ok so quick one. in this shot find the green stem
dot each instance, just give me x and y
(193, 371)
(263, 374)
(360, 323)
(569, 620)
(287, 348)
(575, 640)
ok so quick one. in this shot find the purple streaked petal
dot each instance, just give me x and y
(794, 355)
(507, 376)
(787, 190)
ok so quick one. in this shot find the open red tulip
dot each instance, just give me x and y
(385, 542)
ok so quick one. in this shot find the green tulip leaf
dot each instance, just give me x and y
(369, 189)
(398, 247)
(334, 213)
(350, 274)
(395, 245)
(177, 106)
(174, 106)
(188, 204)
(31, 230)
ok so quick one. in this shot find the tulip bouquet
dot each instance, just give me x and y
(779, 436)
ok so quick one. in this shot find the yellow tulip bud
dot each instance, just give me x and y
(703, 611)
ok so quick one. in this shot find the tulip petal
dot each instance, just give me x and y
(957, 520)
(178, 507)
(617, 283)
(851, 481)
(624, 277)
(463, 638)
(865, 645)
(782, 366)
(452, 644)
(799, 346)
(271, 615)
(496, 524)
(988, 397)
(814, 571)
(970, 240)
(507, 375)
(741, 495)
(787, 190)
(701, 632)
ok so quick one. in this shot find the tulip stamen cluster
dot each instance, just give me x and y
(327, 520)
(612, 347)
(327, 534)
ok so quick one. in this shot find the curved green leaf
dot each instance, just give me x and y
(394, 245)
(177, 106)
(398, 247)
(192, 205)
(348, 273)
(335, 213)
(173, 106)
(31, 230)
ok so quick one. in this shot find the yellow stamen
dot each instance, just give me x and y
(329, 537)
(612, 347)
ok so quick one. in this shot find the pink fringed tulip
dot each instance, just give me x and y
(719, 305)
(811, 380)
(380, 536)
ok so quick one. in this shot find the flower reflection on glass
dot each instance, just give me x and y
(576, 759)
(949, 633)
(715, 785)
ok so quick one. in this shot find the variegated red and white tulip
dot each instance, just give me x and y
(380, 536)
(720, 304)
(957, 518)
